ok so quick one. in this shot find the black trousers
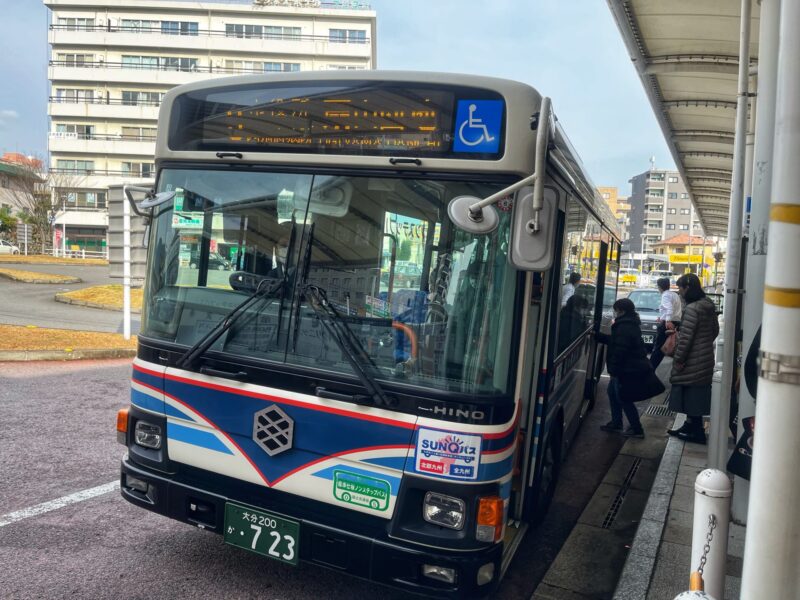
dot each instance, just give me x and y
(656, 356)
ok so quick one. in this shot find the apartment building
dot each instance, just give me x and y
(112, 61)
(621, 208)
(660, 209)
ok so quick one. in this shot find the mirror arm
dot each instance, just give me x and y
(541, 157)
(537, 179)
(128, 191)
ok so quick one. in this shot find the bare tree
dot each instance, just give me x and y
(40, 193)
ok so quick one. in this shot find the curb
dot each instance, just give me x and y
(62, 297)
(30, 355)
(69, 280)
(634, 582)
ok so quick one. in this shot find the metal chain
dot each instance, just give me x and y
(712, 525)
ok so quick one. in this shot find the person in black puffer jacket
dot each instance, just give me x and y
(693, 361)
(632, 376)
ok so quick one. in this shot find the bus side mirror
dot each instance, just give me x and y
(533, 250)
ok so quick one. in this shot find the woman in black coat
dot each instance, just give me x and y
(632, 375)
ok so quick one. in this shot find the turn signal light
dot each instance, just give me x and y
(490, 519)
(122, 425)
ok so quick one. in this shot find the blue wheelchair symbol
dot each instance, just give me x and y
(478, 125)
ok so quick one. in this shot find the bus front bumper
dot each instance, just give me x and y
(385, 561)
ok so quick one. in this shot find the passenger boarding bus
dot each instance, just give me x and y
(358, 349)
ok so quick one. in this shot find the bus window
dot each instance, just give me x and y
(578, 290)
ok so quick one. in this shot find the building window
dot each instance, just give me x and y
(684, 228)
(656, 177)
(164, 63)
(671, 226)
(76, 23)
(684, 196)
(75, 166)
(348, 36)
(142, 134)
(673, 180)
(686, 211)
(137, 169)
(345, 67)
(672, 195)
(276, 66)
(78, 200)
(140, 25)
(74, 96)
(654, 224)
(69, 130)
(75, 60)
(136, 98)
(179, 27)
(672, 211)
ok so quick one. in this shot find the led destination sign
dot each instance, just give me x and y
(362, 119)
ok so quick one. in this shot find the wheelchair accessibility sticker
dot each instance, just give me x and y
(478, 125)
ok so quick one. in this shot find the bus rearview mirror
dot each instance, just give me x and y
(531, 250)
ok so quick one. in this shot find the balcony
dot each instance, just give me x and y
(205, 41)
(115, 72)
(96, 179)
(73, 143)
(112, 108)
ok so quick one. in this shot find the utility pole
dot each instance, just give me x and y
(772, 548)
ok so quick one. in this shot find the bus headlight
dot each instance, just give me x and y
(148, 435)
(443, 510)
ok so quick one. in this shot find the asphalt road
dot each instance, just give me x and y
(57, 438)
(33, 304)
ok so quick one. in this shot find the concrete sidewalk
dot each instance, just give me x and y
(658, 565)
(633, 539)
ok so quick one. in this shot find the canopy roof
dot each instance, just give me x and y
(687, 55)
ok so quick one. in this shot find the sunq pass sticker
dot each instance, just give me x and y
(449, 454)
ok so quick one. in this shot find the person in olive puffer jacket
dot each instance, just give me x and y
(693, 361)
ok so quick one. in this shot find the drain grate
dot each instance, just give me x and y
(616, 504)
(659, 410)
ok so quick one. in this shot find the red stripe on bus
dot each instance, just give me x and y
(297, 403)
(342, 453)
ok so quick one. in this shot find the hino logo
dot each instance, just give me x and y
(459, 413)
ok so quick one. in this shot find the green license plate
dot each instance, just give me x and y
(262, 532)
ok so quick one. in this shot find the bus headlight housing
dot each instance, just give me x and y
(148, 435)
(442, 510)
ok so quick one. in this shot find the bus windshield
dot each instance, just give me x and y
(431, 305)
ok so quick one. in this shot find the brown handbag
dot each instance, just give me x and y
(668, 347)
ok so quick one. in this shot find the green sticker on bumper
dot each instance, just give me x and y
(361, 490)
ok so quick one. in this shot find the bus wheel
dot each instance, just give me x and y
(548, 477)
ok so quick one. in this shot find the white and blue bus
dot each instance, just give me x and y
(364, 344)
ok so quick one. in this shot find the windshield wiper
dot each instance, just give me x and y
(351, 348)
(266, 288)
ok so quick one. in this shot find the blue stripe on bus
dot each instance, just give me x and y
(327, 473)
(146, 402)
(391, 462)
(188, 435)
(154, 381)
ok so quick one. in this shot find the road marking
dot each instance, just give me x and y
(46, 507)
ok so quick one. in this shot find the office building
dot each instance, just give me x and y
(112, 61)
(621, 208)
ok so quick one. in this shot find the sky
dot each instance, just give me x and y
(570, 50)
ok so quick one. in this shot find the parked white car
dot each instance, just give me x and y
(8, 248)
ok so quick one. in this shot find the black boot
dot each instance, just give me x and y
(695, 432)
(685, 428)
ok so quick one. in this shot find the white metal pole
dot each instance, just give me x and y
(718, 438)
(712, 501)
(772, 548)
(759, 216)
(126, 267)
